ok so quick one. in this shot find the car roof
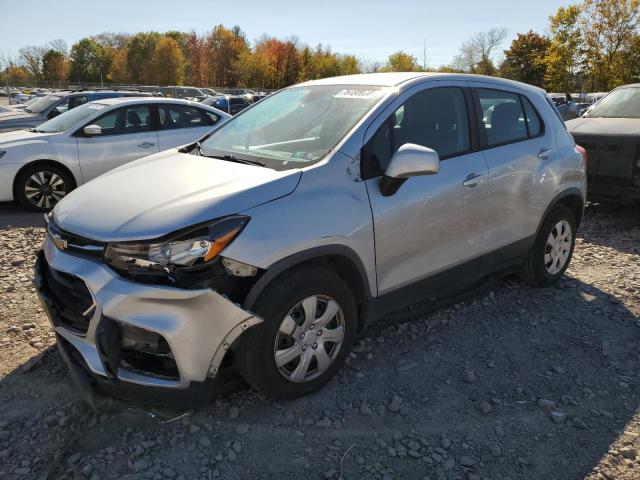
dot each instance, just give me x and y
(404, 79)
(145, 99)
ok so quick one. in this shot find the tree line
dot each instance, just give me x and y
(593, 45)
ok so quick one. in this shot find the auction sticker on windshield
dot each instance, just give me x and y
(354, 93)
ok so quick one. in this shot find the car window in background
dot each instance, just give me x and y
(42, 104)
(71, 103)
(184, 116)
(295, 126)
(69, 119)
(621, 103)
(136, 119)
(502, 116)
(434, 118)
(108, 123)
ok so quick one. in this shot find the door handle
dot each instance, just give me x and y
(473, 180)
(146, 145)
(544, 153)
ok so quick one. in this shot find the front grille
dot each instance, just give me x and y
(72, 243)
(71, 299)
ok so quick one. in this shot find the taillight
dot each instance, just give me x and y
(582, 152)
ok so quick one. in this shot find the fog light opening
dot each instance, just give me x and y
(146, 353)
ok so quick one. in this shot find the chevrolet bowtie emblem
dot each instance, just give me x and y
(58, 241)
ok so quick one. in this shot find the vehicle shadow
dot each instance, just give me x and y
(582, 353)
(13, 215)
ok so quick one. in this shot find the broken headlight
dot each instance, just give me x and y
(184, 249)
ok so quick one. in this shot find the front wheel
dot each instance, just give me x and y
(551, 253)
(40, 187)
(309, 323)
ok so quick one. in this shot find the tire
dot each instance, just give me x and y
(39, 187)
(540, 270)
(280, 305)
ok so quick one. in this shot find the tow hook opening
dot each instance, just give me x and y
(136, 350)
(147, 353)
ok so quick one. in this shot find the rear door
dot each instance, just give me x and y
(182, 124)
(515, 145)
(432, 222)
(127, 134)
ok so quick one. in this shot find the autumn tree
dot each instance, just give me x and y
(564, 55)
(168, 62)
(525, 59)
(196, 68)
(401, 62)
(55, 66)
(31, 60)
(608, 27)
(224, 46)
(118, 71)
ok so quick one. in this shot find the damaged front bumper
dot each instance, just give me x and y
(126, 334)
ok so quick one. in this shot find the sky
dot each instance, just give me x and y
(370, 29)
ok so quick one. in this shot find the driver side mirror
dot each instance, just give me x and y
(410, 160)
(92, 130)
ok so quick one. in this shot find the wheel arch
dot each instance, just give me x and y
(339, 259)
(573, 199)
(53, 163)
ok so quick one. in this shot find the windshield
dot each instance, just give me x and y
(294, 127)
(621, 103)
(42, 103)
(70, 118)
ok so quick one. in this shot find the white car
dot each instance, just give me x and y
(39, 166)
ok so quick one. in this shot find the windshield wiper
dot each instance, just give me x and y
(231, 158)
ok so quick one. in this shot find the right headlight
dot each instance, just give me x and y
(185, 249)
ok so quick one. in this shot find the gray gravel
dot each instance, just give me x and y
(507, 383)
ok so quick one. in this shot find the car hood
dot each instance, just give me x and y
(165, 192)
(22, 137)
(16, 115)
(594, 129)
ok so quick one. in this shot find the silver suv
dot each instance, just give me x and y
(276, 239)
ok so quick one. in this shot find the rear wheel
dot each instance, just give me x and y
(309, 322)
(41, 187)
(551, 253)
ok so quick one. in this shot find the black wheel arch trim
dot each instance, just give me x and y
(287, 263)
(569, 192)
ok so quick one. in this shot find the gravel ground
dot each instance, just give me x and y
(509, 383)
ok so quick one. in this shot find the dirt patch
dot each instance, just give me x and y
(510, 383)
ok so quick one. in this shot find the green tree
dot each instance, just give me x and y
(224, 47)
(140, 52)
(55, 67)
(89, 63)
(525, 59)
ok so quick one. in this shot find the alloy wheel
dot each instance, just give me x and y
(309, 338)
(44, 189)
(558, 247)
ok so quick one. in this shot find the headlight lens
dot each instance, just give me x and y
(191, 248)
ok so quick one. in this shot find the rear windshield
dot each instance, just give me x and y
(621, 103)
(42, 104)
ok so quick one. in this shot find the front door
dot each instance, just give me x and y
(434, 221)
(127, 135)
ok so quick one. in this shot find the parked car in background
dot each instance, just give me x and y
(610, 132)
(50, 106)
(181, 92)
(227, 103)
(286, 231)
(565, 104)
(40, 166)
(19, 98)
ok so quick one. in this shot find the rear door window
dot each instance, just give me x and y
(502, 116)
(184, 116)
